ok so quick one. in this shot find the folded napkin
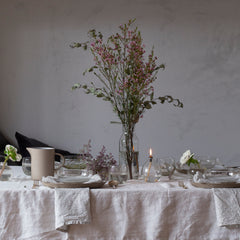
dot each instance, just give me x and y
(200, 178)
(227, 206)
(49, 179)
(72, 206)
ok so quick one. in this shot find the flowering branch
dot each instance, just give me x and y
(125, 75)
(126, 78)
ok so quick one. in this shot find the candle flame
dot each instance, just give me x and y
(150, 152)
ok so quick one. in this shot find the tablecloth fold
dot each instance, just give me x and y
(72, 206)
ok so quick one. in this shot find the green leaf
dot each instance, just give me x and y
(178, 104)
(162, 99)
(99, 95)
(162, 66)
(107, 99)
(100, 35)
(76, 45)
(151, 96)
(147, 105)
(114, 122)
(193, 161)
(75, 86)
(92, 90)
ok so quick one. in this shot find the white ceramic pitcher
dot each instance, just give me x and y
(42, 162)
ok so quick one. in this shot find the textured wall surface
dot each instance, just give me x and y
(199, 40)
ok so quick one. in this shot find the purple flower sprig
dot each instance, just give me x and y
(101, 161)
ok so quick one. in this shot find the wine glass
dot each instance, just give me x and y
(165, 166)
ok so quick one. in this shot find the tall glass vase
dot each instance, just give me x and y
(129, 152)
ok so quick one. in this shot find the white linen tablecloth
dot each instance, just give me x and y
(150, 211)
(135, 210)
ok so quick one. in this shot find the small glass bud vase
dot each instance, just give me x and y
(7, 172)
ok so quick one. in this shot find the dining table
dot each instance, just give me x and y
(165, 210)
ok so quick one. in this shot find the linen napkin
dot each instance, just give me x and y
(198, 177)
(50, 179)
(72, 206)
(227, 206)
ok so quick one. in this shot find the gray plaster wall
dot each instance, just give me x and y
(198, 40)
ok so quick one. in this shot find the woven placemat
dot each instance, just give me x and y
(216, 185)
(74, 185)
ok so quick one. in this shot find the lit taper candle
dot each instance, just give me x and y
(150, 164)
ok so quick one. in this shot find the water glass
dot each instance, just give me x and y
(118, 173)
(207, 162)
(26, 165)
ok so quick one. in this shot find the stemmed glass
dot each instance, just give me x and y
(164, 166)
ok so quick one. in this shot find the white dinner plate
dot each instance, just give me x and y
(73, 179)
(223, 179)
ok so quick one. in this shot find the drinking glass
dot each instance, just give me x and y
(207, 162)
(75, 165)
(118, 173)
(26, 165)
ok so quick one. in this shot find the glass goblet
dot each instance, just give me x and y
(165, 166)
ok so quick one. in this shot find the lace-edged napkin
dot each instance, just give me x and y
(72, 206)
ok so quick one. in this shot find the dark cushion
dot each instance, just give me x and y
(24, 142)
